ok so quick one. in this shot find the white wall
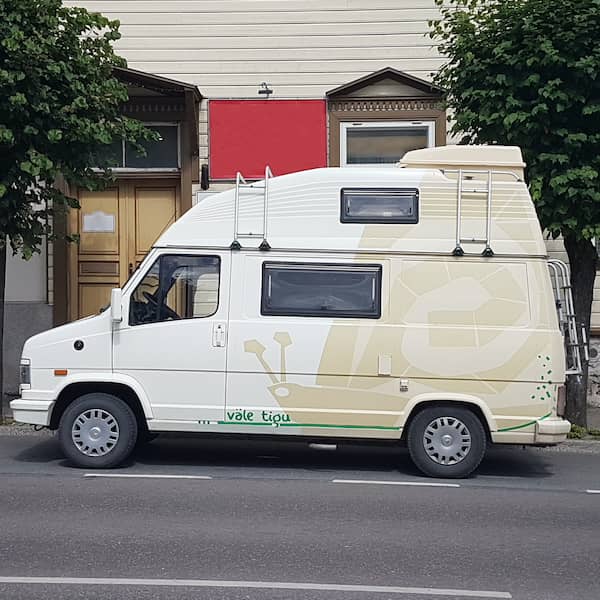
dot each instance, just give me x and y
(26, 313)
(302, 48)
(26, 279)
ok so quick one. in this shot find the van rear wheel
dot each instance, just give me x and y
(97, 431)
(446, 441)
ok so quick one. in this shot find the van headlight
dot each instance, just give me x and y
(25, 372)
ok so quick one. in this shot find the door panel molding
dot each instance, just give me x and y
(140, 210)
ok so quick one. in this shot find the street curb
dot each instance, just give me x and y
(584, 446)
(16, 430)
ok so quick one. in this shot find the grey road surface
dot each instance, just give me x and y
(229, 519)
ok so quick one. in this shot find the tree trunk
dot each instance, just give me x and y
(2, 288)
(582, 259)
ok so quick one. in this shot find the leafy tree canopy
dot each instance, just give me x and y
(527, 73)
(59, 111)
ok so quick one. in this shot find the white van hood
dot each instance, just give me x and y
(57, 348)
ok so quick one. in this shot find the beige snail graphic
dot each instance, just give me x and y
(349, 407)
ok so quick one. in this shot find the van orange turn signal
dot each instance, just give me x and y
(60, 372)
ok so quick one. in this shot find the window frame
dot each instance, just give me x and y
(381, 220)
(405, 124)
(159, 258)
(124, 169)
(376, 268)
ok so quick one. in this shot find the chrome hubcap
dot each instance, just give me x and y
(95, 432)
(447, 440)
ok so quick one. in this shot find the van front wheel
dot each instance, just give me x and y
(446, 441)
(97, 431)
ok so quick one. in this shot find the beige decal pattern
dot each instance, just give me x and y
(451, 327)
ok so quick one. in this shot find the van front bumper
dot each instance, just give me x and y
(35, 412)
(551, 431)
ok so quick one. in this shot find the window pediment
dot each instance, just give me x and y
(387, 83)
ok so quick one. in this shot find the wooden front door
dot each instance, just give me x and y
(116, 228)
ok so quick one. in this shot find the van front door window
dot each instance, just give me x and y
(176, 287)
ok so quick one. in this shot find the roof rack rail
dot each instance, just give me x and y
(464, 177)
(241, 187)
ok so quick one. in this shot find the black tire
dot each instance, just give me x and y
(112, 417)
(458, 462)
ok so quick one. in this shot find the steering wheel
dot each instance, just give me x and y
(168, 312)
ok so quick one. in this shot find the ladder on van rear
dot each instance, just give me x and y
(245, 189)
(575, 344)
(469, 183)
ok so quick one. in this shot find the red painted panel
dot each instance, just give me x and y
(247, 135)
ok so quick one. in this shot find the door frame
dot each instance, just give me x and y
(126, 187)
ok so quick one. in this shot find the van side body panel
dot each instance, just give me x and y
(455, 330)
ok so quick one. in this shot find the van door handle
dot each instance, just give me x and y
(219, 335)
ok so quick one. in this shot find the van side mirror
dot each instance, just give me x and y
(116, 307)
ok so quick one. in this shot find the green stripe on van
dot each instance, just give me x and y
(325, 425)
(524, 424)
(340, 426)
(243, 423)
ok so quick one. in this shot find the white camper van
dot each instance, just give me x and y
(411, 303)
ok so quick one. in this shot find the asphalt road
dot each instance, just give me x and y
(231, 519)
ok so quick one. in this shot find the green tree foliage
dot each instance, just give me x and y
(527, 73)
(59, 112)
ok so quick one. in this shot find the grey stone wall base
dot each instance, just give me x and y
(594, 373)
(21, 321)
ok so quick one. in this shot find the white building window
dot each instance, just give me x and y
(382, 143)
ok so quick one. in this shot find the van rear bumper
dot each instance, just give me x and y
(543, 432)
(551, 431)
(35, 412)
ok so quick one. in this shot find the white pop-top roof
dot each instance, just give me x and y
(304, 212)
(504, 158)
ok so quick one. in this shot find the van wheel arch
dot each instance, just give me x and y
(121, 391)
(474, 408)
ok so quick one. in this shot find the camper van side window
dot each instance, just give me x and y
(321, 290)
(176, 287)
(380, 205)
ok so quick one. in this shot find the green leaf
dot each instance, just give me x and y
(17, 99)
(6, 135)
(30, 168)
(55, 135)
